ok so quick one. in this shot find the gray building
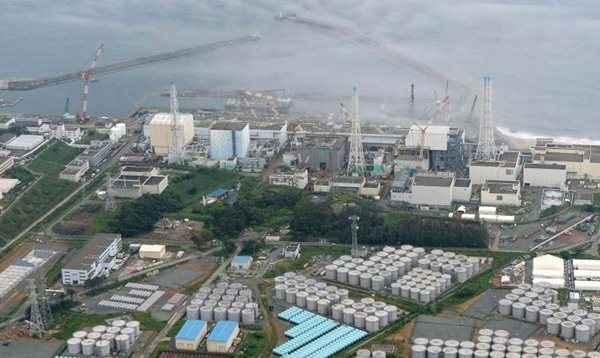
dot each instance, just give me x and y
(324, 153)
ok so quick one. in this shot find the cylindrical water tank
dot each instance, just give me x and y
(311, 303)
(234, 314)
(74, 345)
(102, 348)
(87, 347)
(567, 330)
(192, 312)
(371, 324)
(531, 313)
(348, 315)
(248, 316)
(122, 342)
(505, 307)
(360, 320)
(582, 333)
(418, 351)
(220, 313)
(518, 310)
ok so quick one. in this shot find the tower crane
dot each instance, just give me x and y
(86, 77)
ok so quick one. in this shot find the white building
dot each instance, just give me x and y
(550, 270)
(156, 252)
(507, 168)
(117, 132)
(545, 175)
(229, 139)
(25, 142)
(501, 192)
(160, 131)
(95, 259)
(428, 190)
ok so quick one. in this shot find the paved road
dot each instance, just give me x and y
(181, 311)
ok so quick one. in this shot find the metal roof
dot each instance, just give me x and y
(223, 331)
(191, 329)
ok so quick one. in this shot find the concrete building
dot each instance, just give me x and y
(95, 259)
(191, 334)
(160, 131)
(75, 170)
(241, 263)
(288, 177)
(229, 139)
(507, 168)
(221, 337)
(323, 153)
(156, 252)
(462, 190)
(6, 163)
(428, 190)
(501, 192)
(545, 175)
(25, 142)
(97, 152)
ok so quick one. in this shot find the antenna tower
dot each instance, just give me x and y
(356, 161)
(486, 147)
(176, 155)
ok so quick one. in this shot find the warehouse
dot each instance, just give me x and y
(25, 142)
(153, 251)
(501, 192)
(221, 337)
(241, 263)
(160, 131)
(545, 175)
(229, 139)
(190, 335)
(94, 259)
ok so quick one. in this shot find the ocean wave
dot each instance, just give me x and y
(557, 139)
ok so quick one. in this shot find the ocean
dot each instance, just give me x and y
(542, 55)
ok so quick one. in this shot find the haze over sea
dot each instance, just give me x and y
(543, 55)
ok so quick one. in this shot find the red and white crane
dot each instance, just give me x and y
(86, 76)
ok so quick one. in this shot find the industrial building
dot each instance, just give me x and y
(545, 175)
(580, 160)
(323, 153)
(156, 252)
(96, 153)
(75, 170)
(229, 139)
(134, 182)
(160, 131)
(507, 167)
(285, 176)
(95, 259)
(241, 263)
(501, 192)
(25, 142)
(6, 163)
(190, 335)
(221, 337)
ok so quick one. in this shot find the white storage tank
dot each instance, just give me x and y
(87, 347)
(192, 312)
(371, 324)
(248, 316)
(74, 345)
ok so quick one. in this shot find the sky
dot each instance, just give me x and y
(541, 54)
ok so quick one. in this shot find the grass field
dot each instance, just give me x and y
(44, 194)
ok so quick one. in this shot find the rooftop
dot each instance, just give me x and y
(229, 126)
(88, 254)
(546, 166)
(223, 331)
(502, 186)
(427, 180)
(191, 329)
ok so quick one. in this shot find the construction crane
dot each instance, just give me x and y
(26, 85)
(86, 77)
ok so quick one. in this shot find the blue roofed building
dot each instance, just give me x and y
(191, 334)
(241, 263)
(221, 337)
